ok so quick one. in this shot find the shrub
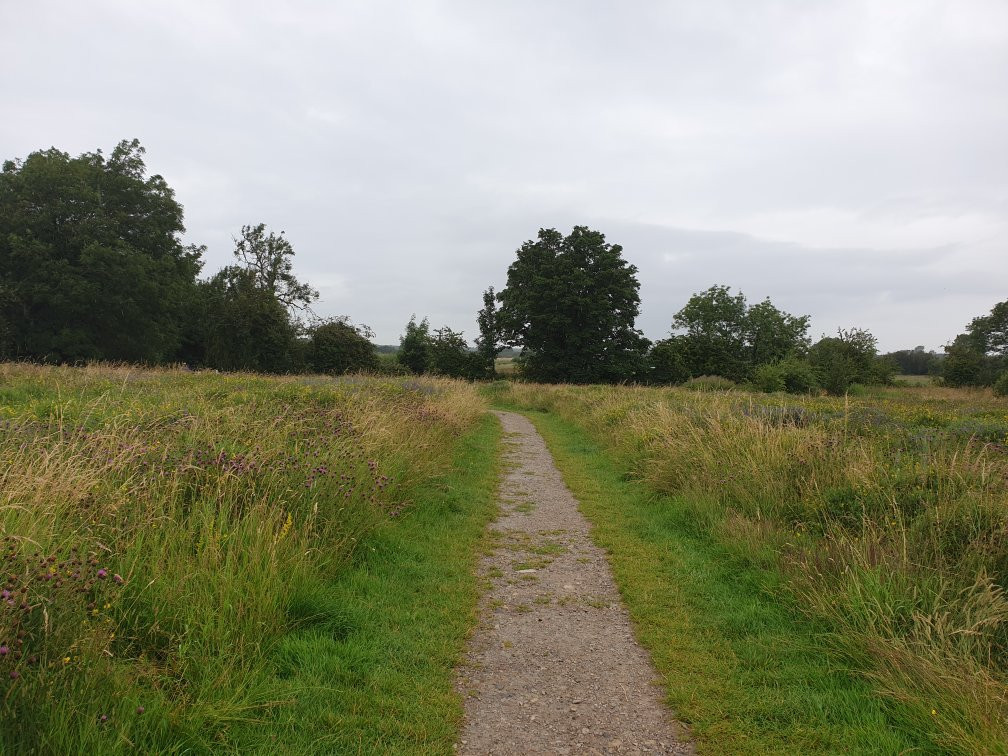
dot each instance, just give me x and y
(792, 375)
(340, 347)
(710, 383)
(1001, 385)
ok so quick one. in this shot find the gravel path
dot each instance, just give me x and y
(553, 666)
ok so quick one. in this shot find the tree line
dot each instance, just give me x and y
(92, 267)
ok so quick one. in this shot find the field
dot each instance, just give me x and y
(203, 562)
(776, 552)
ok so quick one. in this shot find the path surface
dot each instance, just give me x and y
(553, 666)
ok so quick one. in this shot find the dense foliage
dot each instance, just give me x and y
(978, 356)
(571, 302)
(720, 334)
(91, 262)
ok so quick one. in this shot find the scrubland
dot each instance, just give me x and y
(196, 561)
(883, 519)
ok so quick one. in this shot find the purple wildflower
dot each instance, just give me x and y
(102, 573)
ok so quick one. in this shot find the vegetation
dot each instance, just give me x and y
(881, 518)
(571, 302)
(980, 355)
(719, 334)
(740, 665)
(200, 562)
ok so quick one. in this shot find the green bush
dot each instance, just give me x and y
(1001, 385)
(791, 375)
(710, 383)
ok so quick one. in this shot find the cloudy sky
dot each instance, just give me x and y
(847, 159)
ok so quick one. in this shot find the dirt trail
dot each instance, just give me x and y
(553, 666)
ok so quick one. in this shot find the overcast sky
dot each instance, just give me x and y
(849, 160)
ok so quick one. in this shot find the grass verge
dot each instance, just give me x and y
(372, 667)
(743, 668)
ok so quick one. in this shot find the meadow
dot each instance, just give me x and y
(197, 562)
(809, 574)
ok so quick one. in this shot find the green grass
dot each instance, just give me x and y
(232, 563)
(746, 670)
(372, 668)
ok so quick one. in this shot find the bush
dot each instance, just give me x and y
(710, 383)
(791, 375)
(340, 347)
(1001, 385)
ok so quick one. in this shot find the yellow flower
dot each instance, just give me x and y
(66, 659)
(934, 713)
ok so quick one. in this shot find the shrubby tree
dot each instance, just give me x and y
(849, 357)
(717, 333)
(91, 260)
(338, 346)
(451, 357)
(667, 361)
(245, 326)
(978, 356)
(488, 343)
(415, 346)
(571, 302)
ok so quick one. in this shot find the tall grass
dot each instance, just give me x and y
(887, 514)
(161, 531)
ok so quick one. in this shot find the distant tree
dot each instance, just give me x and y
(713, 328)
(717, 333)
(245, 326)
(916, 361)
(488, 343)
(976, 357)
(965, 363)
(848, 358)
(772, 334)
(989, 333)
(270, 257)
(338, 346)
(451, 357)
(415, 346)
(91, 260)
(667, 361)
(571, 302)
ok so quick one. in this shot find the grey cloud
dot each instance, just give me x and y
(846, 159)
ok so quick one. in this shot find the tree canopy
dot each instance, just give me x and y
(571, 302)
(717, 333)
(91, 260)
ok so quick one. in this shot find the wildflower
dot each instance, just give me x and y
(103, 573)
(117, 578)
(4, 650)
(14, 675)
(140, 709)
(66, 659)
(104, 718)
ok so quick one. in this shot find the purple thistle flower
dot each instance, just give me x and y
(118, 579)
(4, 650)
(102, 573)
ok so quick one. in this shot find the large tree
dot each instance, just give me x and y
(976, 357)
(718, 333)
(91, 261)
(571, 302)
